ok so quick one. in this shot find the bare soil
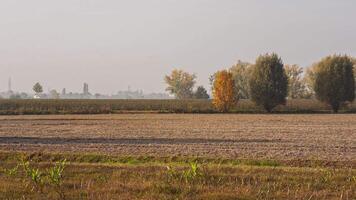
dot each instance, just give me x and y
(279, 137)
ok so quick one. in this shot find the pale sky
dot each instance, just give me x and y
(112, 44)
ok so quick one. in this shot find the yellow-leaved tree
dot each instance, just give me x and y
(224, 92)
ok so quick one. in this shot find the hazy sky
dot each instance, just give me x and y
(112, 44)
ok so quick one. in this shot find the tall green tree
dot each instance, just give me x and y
(37, 88)
(241, 72)
(201, 93)
(180, 84)
(268, 82)
(335, 81)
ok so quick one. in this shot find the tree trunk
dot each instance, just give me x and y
(268, 108)
(335, 106)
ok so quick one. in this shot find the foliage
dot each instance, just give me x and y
(192, 173)
(55, 176)
(309, 80)
(335, 81)
(268, 82)
(189, 175)
(224, 92)
(37, 88)
(297, 88)
(180, 84)
(34, 176)
(201, 93)
(241, 73)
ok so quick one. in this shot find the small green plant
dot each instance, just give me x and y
(56, 173)
(192, 173)
(12, 172)
(55, 176)
(189, 175)
(37, 180)
(34, 177)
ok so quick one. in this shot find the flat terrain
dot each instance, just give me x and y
(277, 137)
(150, 156)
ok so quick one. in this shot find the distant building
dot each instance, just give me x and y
(86, 89)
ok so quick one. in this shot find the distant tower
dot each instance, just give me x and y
(64, 92)
(9, 85)
(86, 89)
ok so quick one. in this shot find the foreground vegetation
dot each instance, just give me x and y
(102, 177)
(62, 106)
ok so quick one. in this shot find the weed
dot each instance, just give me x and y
(12, 172)
(55, 175)
(188, 176)
(36, 180)
(33, 176)
(192, 173)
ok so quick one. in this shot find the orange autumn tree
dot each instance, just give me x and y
(224, 92)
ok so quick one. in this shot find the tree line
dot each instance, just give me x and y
(269, 83)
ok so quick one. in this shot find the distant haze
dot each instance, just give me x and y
(113, 44)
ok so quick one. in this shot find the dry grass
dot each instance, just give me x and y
(215, 181)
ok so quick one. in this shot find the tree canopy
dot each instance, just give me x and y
(241, 73)
(268, 82)
(297, 87)
(180, 84)
(224, 92)
(201, 93)
(37, 88)
(335, 81)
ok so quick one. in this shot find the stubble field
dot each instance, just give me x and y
(281, 137)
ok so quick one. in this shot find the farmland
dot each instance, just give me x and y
(321, 137)
(249, 156)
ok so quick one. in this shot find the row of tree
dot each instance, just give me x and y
(268, 82)
(181, 85)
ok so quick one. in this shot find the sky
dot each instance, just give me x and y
(113, 44)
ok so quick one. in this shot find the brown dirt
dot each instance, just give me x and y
(280, 137)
